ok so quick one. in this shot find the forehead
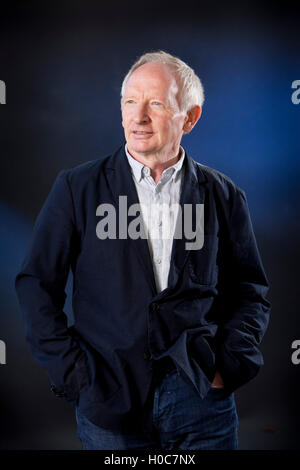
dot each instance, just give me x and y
(152, 76)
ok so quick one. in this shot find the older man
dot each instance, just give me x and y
(164, 330)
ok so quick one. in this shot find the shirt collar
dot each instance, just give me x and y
(137, 167)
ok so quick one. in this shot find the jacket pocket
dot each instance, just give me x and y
(96, 374)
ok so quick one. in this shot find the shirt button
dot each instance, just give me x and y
(158, 261)
(58, 393)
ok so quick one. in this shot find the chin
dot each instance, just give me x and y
(144, 149)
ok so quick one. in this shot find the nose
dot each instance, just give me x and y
(141, 115)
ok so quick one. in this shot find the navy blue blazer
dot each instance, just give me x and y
(212, 316)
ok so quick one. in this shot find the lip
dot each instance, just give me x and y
(142, 134)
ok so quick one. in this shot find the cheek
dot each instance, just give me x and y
(167, 127)
(177, 128)
(125, 122)
(172, 129)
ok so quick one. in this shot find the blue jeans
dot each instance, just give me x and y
(181, 419)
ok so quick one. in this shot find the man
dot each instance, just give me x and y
(165, 327)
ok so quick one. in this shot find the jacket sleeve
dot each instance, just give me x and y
(40, 288)
(243, 307)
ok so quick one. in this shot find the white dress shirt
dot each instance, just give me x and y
(159, 204)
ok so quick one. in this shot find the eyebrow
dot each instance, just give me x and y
(151, 98)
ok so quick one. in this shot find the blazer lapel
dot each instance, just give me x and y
(121, 184)
(192, 193)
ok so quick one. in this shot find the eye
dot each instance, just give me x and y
(129, 101)
(156, 103)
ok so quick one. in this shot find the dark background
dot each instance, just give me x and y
(63, 65)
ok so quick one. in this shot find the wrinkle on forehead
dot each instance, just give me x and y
(161, 76)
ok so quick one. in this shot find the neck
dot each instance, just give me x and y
(156, 162)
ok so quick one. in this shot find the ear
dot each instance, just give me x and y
(192, 117)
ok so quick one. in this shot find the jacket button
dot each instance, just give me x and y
(147, 356)
(155, 306)
(57, 393)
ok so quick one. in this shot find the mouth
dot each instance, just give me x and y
(142, 133)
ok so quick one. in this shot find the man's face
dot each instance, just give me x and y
(152, 120)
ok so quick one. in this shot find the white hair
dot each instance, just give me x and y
(191, 88)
